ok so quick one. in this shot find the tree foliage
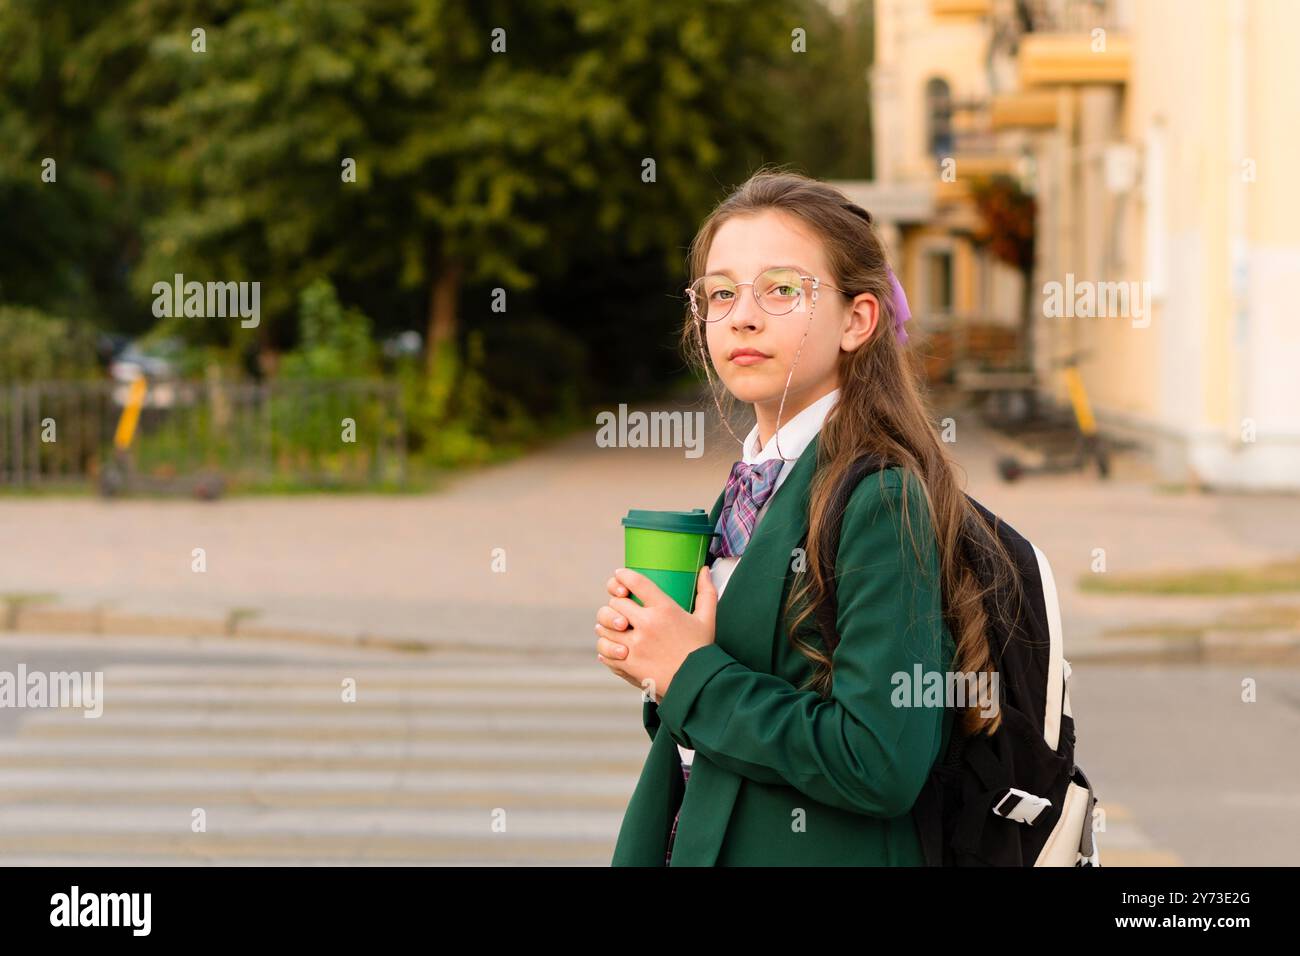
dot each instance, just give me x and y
(225, 156)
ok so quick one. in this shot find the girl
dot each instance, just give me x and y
(797, 756)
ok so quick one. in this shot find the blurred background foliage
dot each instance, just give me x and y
(475, 171)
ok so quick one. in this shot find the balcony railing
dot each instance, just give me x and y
(1034, 16)
(1068, 16)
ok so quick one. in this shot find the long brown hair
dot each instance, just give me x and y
(881, 410)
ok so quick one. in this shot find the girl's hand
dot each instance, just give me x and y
(646, 645)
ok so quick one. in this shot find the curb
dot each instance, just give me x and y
(102, 621)
(1211, 646)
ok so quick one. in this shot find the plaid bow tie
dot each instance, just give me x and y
(748, 487)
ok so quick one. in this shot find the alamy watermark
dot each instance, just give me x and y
(626, 429)
(198, 300)
(75, 908)
(922, 688)
(1108, 300)
(37, 689)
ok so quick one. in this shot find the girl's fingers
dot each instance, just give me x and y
(618, 671)
(606, 646)
(640, 585)
(611, 619)
(627, 608)
(615, 588)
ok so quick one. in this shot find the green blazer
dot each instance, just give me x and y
(780, 776)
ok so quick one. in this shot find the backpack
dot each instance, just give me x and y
(1015, 797)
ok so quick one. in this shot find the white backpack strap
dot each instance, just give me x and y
(1065, 679)
(1055, 679)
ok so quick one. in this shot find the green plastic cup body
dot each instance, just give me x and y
(668, 547)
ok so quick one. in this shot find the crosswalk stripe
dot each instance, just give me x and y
(174, 722)
(561, 752)
(594, 675)
(430, 783)
(333, 798)
(274, 696)
(599, 857)
(523, 821)
(503, 850)
(198, 761)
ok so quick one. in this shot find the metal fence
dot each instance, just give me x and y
(349, 433)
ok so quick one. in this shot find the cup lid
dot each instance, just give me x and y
(695, 521)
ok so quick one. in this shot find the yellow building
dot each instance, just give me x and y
(1155, 137)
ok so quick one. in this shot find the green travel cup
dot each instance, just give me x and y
(668, 547)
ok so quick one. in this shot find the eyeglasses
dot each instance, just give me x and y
(778, 291)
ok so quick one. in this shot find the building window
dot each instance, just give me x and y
(938, 107)
(938, 281)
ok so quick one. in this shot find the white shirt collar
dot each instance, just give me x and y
(795, 435)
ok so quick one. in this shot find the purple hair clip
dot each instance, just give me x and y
(901, 312)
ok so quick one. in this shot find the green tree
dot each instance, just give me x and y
(67, 208)
(333, 342)
(35, 346)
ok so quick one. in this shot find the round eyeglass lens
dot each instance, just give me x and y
(778, 292)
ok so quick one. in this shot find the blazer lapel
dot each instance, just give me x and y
(745, 624)
(748, 608)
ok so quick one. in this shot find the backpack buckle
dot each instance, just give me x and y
(1026, 808)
